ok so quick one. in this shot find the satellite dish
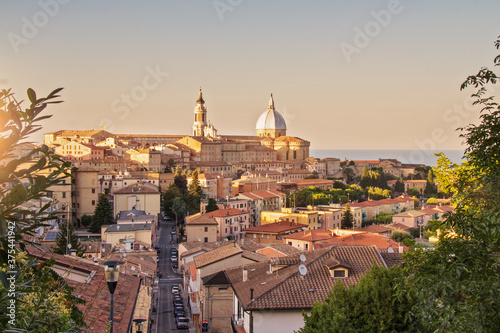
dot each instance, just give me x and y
(69, 246)
(302, 258)
(199, 239)
(302, 270)
(132, 268)
(390, 250)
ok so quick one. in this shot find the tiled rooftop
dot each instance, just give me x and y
(225, 212)
(96, 294)
(287, 289)
(199, 219)
(276, 227)
(218, 254)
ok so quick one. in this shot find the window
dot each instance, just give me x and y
(339, 273)
(206, 239)
(206, 229)
(93, 190)
(93, 202)
(64, 195)
(307, 246)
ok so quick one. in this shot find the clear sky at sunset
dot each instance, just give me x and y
(344, 74)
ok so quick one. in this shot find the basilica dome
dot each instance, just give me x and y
(271, 119)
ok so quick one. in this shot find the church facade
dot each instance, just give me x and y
(271, 142)
(205, 145)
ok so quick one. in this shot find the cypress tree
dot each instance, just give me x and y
(103, 214)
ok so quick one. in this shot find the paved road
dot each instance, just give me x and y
(163, 318)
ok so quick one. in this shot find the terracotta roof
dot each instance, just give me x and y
(96, 294)
(288, 139)
(225, 212)
(287, 289)
(311, 235)
(196, 246)
(374, 228)
(293, 172)
(257, 257)
(218, 254)
(410, 213)
(257, 195)
(391, 259)
(276, 227)
(399, 226)
(312, 181)
(199, 219)
(365, 238)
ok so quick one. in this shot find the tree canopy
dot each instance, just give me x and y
(103, 214)
(42, 299)
(456, 285)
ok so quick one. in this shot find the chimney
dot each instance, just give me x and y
(400, 248)
(118, 228)
(245, 275)
(251, 294)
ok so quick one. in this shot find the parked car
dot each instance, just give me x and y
(173, 258)
(173, 232)
(179, 312)
(174, 250)
(177, 302)
(181, 322)
(175, 289)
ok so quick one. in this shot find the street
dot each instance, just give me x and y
(163, 318)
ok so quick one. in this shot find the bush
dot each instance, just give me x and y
(400, 235)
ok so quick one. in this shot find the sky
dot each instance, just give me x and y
(344, 74)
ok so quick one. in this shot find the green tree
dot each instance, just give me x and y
(103, 214)
(61, 241)
(384, 218)
(180, 180)
(413, 192)
(398, 235)
(456, 285)
(212, 205)
(43, 300)
(366, 179)
(369, 306)
(179, 208)
(170, 194)
(169, 166)
(348, 174)
(347, 218)
(86, 220)
(432, 201)
(430, 187)
(303, 198)
(194, 194)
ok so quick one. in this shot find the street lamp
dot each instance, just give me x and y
(112, 273)
(139, 323)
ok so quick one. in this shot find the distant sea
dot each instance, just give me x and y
(416, 156)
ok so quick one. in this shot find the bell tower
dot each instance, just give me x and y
(200, 117)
